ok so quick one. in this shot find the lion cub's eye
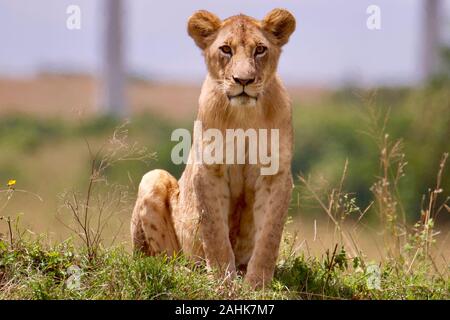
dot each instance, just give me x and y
(260, 50)
(225, 49)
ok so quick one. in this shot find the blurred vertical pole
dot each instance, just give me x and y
(114, 74)
(431, 37)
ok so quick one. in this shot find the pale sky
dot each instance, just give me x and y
(330, 46)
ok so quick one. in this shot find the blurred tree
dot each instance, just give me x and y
(431, 37)
(113, 100)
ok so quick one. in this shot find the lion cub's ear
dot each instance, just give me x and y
(280, 23)
(202, 27)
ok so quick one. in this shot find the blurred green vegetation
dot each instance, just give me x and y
(328, 131)
(338, 129)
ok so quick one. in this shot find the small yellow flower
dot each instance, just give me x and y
(11, 183)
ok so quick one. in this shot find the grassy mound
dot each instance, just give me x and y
(35, 270)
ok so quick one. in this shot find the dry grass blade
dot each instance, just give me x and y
(87, 212)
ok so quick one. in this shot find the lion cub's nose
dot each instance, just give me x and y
(243, 82)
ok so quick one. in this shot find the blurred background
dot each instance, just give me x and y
(71, 71)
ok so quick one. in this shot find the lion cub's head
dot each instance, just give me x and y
(241, 53)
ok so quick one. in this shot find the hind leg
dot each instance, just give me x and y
(152, 229)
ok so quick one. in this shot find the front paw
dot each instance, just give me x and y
(256, 281)
(227, 277)
(225, 272)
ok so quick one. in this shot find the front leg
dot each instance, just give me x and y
(212, 198)
(272, 198)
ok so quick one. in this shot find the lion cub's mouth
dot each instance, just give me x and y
(242, 94)
(242, 98)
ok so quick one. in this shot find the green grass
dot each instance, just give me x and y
(35, 270)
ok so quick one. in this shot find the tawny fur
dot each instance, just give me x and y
(229, 215)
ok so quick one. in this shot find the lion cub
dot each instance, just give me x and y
(229, 214)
